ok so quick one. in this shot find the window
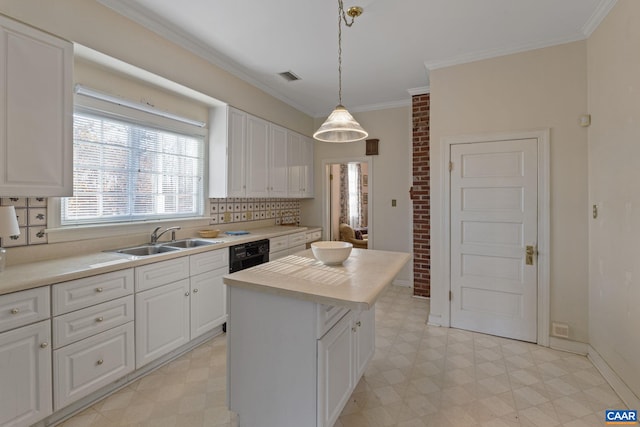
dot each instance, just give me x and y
(128, 171)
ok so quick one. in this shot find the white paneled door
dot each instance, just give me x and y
(493, 224)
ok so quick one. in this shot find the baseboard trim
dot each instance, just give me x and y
(626, 394)
(403, 283)
(434, 320)
(569, 346)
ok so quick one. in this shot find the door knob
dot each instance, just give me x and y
(530, 252)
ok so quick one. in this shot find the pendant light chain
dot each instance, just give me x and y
(342, 16)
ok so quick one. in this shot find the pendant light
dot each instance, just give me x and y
(340, 126)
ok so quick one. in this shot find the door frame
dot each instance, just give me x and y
(544, 193)
(326, 194)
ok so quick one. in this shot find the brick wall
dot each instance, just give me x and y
(421, 209)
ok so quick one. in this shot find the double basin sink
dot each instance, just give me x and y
(159, 248)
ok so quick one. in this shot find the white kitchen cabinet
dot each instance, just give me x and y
(278, 168)
(336, 370)
(88, 291)
(89, 364)
(208, 301)
(237, 152)
(25, 370)
(257, 162)
(282, 246)
(36, 112)
(162, 320)
(365, 340)
(300, 161)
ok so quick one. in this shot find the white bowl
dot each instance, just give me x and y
(331, 253)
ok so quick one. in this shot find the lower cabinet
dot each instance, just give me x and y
(208, 301)
(89, 364)
(25, 370)
(343, 355)
(162, 320)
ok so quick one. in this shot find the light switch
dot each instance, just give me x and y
(393, 203)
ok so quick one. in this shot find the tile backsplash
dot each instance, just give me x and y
(32, 215)
(32, 219)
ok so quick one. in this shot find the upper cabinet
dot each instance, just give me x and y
(36, 112)
(251, 157)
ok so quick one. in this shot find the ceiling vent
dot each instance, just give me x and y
(289, 76)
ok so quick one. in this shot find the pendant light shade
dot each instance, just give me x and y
(340, 127)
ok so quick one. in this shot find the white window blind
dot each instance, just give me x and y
(126, 171)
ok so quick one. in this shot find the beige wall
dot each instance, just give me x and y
(545, 88)
(97, 27)
(389, 178)
(614, 165)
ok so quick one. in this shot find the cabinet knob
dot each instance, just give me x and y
(15, 310)
(195, 291)
(186, 294)
(353, 329)
(358, 323)
(100, 362)
(99, 319)
(99, 289)
(44, 345)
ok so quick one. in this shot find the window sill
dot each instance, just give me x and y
(86, 232)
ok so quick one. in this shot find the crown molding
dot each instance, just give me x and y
(419, 90)
(598, 16)
(494, 53)
(165, 29)
(380, 106)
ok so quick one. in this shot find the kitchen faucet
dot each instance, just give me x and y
(155, 236)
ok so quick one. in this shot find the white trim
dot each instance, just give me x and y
(380, 106)
(544, 237)
(494, 53)
(569, 346)
(326, 205)
(598, 16)
(423, 90)
(618, 385)
(435, 320)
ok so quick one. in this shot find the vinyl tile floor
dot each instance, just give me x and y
(420, 376)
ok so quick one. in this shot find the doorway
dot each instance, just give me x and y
(347, 213)
(497, 195)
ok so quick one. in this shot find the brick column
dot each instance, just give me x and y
(421, 208)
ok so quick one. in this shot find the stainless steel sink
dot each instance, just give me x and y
(191, 243)
(146, 250)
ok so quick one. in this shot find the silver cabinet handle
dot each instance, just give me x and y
(44, 345)
(99, 319)
(358, 323)
(15, 310)
(100, 362)
(353, 329)
(186, 294)
(195, 291)
(99, 289)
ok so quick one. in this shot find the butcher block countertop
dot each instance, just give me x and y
(356, 284)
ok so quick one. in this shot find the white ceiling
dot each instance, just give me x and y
(386, 53)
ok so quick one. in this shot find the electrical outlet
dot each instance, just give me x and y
(227, 217)
(249, 216)
(394, 203)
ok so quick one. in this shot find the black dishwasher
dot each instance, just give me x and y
(247, 255)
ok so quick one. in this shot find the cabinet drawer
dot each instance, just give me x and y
(297, 239)
(313, 236)
(327, 316)
(160, 273)
(84, 323)
(84, 367)
(81, 293)
(21, 308)
(208, 261)
(278, 243)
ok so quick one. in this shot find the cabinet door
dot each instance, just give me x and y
(294, 161)
(278, 168)
(306, 174)
(25, 372)
(162, 321)
(257, 157)
(36, 104)
(208, 301)
(365, 341)
(335, 371)
(237, 153)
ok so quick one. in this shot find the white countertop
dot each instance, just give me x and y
(31, 275)
(355, 284)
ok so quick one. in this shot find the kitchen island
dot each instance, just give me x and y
(300, 335)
